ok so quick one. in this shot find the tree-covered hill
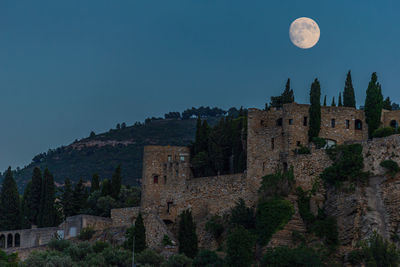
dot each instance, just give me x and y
(102, 153)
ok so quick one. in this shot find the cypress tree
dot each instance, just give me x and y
(349, 99)
(47, 214)
(340, 100)
(198, 137)
(240, 248)
(140, 234)
(67, 199)
(315, 110)
(333, 104)
(287, 95)
(116, 183)
(10, 203)
(387, 104)
(36, 193)
(373, 104)
(79, 197)
(325, 101)
(106, 188)
(95, 185)
(25, 207)
(187, 235)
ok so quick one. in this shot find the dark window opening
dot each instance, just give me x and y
(347, 124)
(279, 122)
(165, 179)
(155, 179)
(285, 167)
(298, 143)
(305, 121)
(358, 124)
(262, 123)
(394, 124)
(169, 158)
(17, 240)
(169, 204)
(272, 143)
(333, 123)
(168, 222)
(290, 121)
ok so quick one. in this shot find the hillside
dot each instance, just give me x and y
(103, 152)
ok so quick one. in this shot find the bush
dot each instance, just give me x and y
(391, 166)
(117, 257)
(240, 244)
(100, 246)
(319, 142)
(278, 184)
(242, 215)
(150, 257)
(284, 256)
(272, 216)
(166, 241)
(215, 227)
(59, 245)
(302, 150)
(178, 260)
(383, 132)
(86, 233)
(207, 258)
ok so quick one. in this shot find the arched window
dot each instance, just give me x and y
(2, 241)
(394, 124)
(358, 124)
(9, 241)
(17, 240)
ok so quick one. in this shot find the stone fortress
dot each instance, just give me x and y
(168, 186)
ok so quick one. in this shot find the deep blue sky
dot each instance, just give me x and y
(69, 67)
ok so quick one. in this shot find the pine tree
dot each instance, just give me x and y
(325, 101)
(333, 104)
(349, 99)
(36, 193)
(47, 214)
(287, 95)
(187, 235)
(26, 212)
(340, 100)
(67, 199)
(95, 185)
(387, 104)
(315, 110)
(116, 183)
(373, 104)
(10, 204)
(140, 234)
(79, 197)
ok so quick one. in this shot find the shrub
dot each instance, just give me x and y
(117, 257)
(271, 216)
(383, 132)
(319, 142)
(302, 150)
(99, 246)
(278, 184)
(207, 258)
(284, 256)
(166, 241)
(150, 257)
(242, 215)
(178, 260)
(86, 233)
(187, 234)
(240, 244)
(391, 166)
(215, 226)
(59, 245)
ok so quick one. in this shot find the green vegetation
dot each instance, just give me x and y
(287, 257)
(302, 150)
(8, 260)
(166, 241)
(240, 243)
(373, 104)
(86, 233)
(340, 100)
(207, 258)
(391, 166)
(347, 165)
(215, 226)
(333, 104)
(187, 236)
(10, 204)
(383, 132)
(137, 231)
(319, 142)
(315, 110)
(375, 252)
(276, 185)
(349, 99)
(286, 97)
(241, 215)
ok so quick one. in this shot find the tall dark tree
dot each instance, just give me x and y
(325, 101)
(373, 104)
(79, 197)
(340, 100)
(287, 95)
(67, 199)
(35, 196)
(25, 207)
(95, 185)
(187, 234)
(387, 104)
(349, 99)
(47, 214)
(315, 110)
(333, 104)
(116, 181)
(106, 188)
(10, 205)
(240, 248)
(140, 234)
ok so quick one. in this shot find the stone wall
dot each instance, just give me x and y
(124, 216)
(73, 225)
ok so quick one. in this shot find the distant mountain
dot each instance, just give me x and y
(102, 153)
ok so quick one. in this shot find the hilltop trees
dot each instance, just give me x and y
(333, 104)
(325, 101)
(10, 205)
(286, 97)
(349, 99)
(67, 199)
(315, 110)
(340, 100)
(36, 191)
(47, 214)
(373, 104)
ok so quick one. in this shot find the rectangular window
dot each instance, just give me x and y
(169, 204)
(165, 179)
(333, 123)
(155, 179)
(290, 121)
(169, 158)
(182, 158)
(347, 124)
(298, 143)
(272, 143)
(305, 121)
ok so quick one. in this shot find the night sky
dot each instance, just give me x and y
(69, 67)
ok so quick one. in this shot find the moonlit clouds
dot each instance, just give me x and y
(304, 32)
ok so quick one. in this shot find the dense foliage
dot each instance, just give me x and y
(286, 97)
(240, 243)
(314, 110)
(136, 234)
(9, 204)
(384, 131)
(373, 104)
(187, 236)
(287, 257)
(391, 166)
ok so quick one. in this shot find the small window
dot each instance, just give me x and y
(394, 124)
(290, 121)
(305, 121)
(285, 167)
(347, 124)
(358, 124)
(333, 123)
(279, 122)
(262, 123)
(169, 204)
(155, 179)
(177, 173)
(169, 158)
(165, 179)
(272, 143)
(182, 158)
(298, 143)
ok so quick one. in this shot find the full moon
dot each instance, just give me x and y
(304, 32)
